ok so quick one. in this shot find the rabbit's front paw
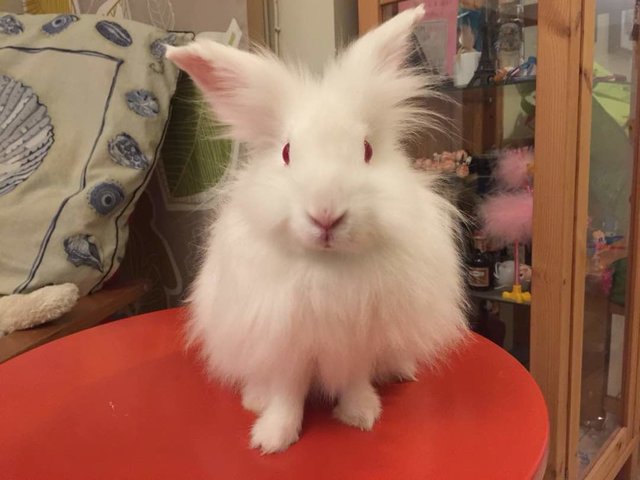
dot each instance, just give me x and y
(275, 431)
(359, 407)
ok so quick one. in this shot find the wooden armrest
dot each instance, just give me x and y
(90, 311)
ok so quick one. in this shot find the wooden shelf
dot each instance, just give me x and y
(519, 81)
(90, 311)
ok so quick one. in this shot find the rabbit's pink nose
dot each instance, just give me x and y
(326, 220)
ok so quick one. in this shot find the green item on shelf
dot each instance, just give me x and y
(619, 286)
(615, 98)
(611, 154)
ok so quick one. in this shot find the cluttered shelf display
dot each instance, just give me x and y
(476, 43)
(489, 74)
(494, 193)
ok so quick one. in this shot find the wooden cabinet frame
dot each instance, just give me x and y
(563, 136)
(632, 467)
(557, 87)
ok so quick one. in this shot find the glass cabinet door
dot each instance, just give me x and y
(485, 52)
(606, 276)
(577, 332)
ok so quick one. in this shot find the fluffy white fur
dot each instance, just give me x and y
(277, 307)
(20, 311)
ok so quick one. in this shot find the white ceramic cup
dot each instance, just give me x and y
(464, 68)
(503, 274)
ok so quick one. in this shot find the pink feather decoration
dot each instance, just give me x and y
(507, 217)
(512, 169)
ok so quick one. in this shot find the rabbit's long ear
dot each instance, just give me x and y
(379, 83)
(248, 92)
(387, 46)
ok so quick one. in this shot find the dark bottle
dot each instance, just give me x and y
(479, 265)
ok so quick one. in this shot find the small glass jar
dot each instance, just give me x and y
(510, 34)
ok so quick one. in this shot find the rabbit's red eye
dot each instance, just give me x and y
(368, 151)
(285, 154)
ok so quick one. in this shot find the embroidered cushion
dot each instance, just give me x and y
(84, 102)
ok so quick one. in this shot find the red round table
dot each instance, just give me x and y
(125, 401)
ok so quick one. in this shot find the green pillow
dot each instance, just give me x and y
(84, 103)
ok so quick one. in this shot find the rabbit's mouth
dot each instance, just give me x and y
(328, 240)
(341, 241)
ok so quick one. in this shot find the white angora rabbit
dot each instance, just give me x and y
(332, 263)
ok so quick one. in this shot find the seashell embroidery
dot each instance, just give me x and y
(143, 102)
(125, 151)
(114, 32)
(82, 250)
(105, 197)
(26, 133)
(10, 25)
(60, 23)
(158, 46)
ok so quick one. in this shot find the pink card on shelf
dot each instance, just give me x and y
(437, 34)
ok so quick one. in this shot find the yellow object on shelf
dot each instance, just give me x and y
(517, 295)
